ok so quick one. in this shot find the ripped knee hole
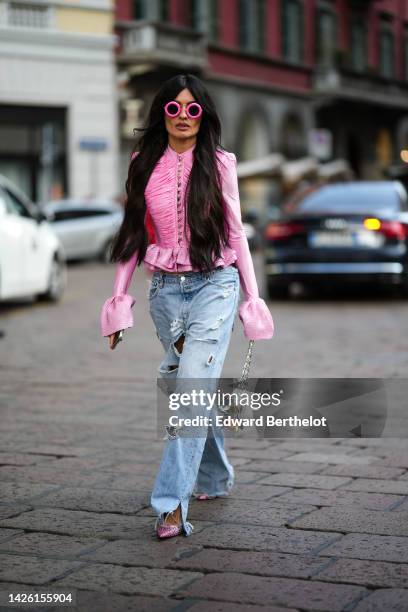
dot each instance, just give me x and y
(179, 343)
(179, 347)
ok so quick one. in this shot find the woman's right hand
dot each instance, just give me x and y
(113, 339)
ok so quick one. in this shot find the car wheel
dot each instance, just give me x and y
(56, 282)
(105, 254)
(277, 291)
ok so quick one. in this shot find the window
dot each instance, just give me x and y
(204, 17)
(28, 15)
(14, 205)
(358, 44)
(343, 199)
(163, 10)
(252, 25)
(244, 29)
(387, 52)
(292, 30)
(326, 37)
(78, 213)
(140, 9)
(260, 22)
(212, 19)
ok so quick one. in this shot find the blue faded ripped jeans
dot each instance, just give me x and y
(201, 306)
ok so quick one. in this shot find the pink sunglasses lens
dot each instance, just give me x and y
(194, 110)
(172, 109)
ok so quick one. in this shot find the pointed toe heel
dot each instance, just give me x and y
(204, 497)
(168, 531)
(166, 528)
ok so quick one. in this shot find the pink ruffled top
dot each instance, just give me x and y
(165, 197)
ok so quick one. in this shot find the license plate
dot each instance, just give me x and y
(331, 239)
(358, 238)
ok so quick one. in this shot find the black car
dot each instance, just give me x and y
(354, 232)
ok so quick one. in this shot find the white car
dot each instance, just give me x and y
(32, 259)
(85, 228)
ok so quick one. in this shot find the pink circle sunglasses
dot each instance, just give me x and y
(193, 109)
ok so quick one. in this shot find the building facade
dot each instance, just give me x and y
(277, 69)
(58, 104)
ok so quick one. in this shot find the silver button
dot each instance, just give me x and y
(182, 278)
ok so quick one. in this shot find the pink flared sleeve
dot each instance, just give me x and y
(253, 311)
(117, 310)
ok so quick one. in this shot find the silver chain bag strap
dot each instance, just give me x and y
(234, 410)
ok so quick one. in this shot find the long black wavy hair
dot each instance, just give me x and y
(205, 214)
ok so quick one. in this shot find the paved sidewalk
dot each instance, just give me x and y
(312, 524)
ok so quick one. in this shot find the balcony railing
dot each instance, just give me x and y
(161, 43)
(360, 86)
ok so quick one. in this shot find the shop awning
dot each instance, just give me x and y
(334, 168)
(269, 165)
(294, 170)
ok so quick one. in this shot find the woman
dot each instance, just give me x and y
(183, 219)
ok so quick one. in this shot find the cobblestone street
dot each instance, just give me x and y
(311, 525)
